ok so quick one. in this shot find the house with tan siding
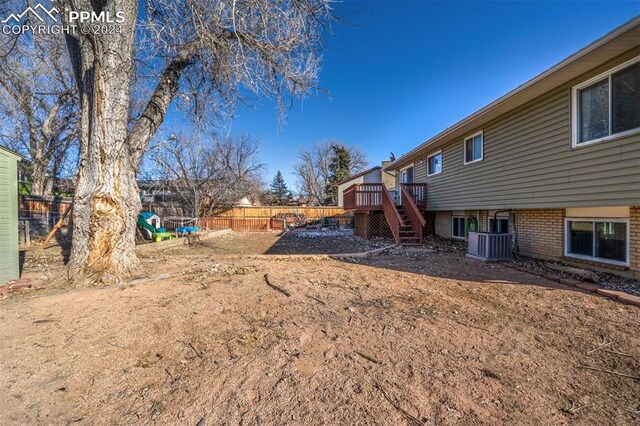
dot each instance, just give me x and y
(555, 163)
(374, 175)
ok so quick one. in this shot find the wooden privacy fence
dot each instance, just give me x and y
(37, 216)
(270, 211)
(242, 223)
(37, 204)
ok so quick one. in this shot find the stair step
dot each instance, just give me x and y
(408, 235)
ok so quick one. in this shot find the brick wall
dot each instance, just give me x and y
(541, 232)
(483, 218)
(443, 224)
(634, 240)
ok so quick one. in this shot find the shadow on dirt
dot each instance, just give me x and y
(324, 241)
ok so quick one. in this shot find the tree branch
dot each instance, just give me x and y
(156, 109)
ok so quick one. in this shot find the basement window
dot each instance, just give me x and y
(458, 225)
(603, 240)
(473, 148)
(434, 164)
(607, 105)
(502, 226)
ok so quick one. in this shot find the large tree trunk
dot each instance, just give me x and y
(38, 179)
(106, 199)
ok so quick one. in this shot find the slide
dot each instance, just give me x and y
(157, 234)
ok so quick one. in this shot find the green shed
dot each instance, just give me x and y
(9, 254)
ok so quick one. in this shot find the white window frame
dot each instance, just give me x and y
(464, 147)
(575, 125)
(490, 218)
(591, 258)
(453, 227)
(441, 163)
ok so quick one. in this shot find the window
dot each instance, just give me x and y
(458, 226)
(607, 105)
(406, 175)
(502, 226)
(604, 240)
(434, 164)
(473, 148)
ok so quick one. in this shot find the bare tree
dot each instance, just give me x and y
(207, 48)
(8, 42)
(38, 109)
(313, 168)
(209, 176)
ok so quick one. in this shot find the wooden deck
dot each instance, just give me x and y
(405, 219)
(368, 196)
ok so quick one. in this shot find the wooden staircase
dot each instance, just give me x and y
(406, 220)
(409, 236)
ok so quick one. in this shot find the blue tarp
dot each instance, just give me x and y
(186, 229)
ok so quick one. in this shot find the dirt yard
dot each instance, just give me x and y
(409, 337)
(292, 242)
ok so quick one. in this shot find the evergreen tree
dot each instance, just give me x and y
(280, 194)
(339, 169)
(290, 198)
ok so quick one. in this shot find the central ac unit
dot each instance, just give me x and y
(489, 246)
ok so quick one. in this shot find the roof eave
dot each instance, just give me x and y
(475, 120)
(357, 175)
(14, 154)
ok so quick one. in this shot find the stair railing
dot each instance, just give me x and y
(391, 214)
(413, 213)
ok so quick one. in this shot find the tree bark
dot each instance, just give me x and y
(106, 200)
(38, 179)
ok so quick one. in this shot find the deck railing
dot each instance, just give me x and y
(363, 196)
(418, 192)
(391, 214)
(413, 212)
(368, 196)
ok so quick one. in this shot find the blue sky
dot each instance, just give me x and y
(403, 71)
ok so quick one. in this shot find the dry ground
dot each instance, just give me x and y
(402, 338)
(292, 242)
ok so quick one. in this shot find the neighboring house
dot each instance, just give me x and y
(152, 191)
(556, 162)
(372, 175)
(9, 254)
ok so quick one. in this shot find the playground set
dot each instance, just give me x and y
(150, 229)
